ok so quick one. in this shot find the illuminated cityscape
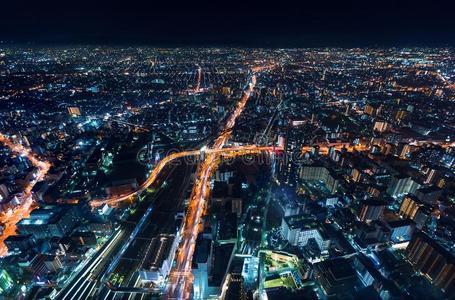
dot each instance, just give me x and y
(227, 173)
(227, 150)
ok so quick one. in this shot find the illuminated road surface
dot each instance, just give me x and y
(180, 279)
(12, 217)
(228, 152)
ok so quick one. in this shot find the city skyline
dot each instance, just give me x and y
(232, 151)
(226, 173)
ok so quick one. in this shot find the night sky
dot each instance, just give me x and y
(230, 23)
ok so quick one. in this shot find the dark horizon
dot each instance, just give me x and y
(252, 24)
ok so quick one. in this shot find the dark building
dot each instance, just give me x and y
(235, 289)
(84, 238)
(336, 277)
(321, 173)
(43, 264)
(371, 210)
(402, 184)
(414, 209)
(292, 147)
(20, 242)
(50, 221)
(429, 195)
(430, 258)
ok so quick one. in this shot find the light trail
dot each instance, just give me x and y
(27, 204)
(180, 279)
(228, 152)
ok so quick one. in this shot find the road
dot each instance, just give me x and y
(88, 281)
(83, 285)
(233, 151)
(166, 202)
(123, 256)
(27, 204)
(180, 279)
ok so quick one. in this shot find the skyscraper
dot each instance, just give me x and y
(371, 210)
(433, 260)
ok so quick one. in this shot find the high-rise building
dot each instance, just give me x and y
(292, 148)
(237, 206)
(400, 230)
(313, 118)
(19, 242)
(201, 267)
(433, 260)
(235, 290)
(234, 281)
(369, 110)
(409, 206)
(371, 210)
(400, 115)
(381, 126)
(317, 172)
(429, 195)
(50, 221)
(373, 191)
(298, 230)
(402, 184)
(406, 151)
(334, 154)
(356, 175)
(336, 277)
(432, 175)
(43, 264)
(412, 208)
(83, 238)
(158, 258)
(373, 109)
(388, 149)
(74, 111)
(347, 109)
(366, 272)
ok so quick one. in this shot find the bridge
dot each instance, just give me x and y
(224, 152)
